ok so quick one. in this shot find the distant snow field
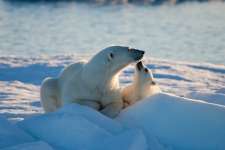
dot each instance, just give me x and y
(188, 114)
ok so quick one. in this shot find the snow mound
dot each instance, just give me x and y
(160, 122)
(178, 122)
(132, 139)
(216, 98)
(11, 135)
(40, 145)
(80, 127)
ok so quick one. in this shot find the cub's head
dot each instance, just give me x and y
(143, 75)
(116, 58)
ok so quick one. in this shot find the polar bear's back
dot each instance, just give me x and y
(71, 84)
(71, 71)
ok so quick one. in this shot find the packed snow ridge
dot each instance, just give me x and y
(192, 116)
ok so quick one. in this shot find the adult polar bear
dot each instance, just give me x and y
(94, 83)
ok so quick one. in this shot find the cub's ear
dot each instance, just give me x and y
(110, 56)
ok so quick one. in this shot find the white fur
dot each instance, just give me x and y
(94, 83)
(141, 87)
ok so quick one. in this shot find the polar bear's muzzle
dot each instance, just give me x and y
(136, 54)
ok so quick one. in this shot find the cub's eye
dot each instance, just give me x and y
(146, 70)
(111, 55)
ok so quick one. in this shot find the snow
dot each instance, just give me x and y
(127, 140)
(216, 98)
(179, 122)
(80, 127)
(189, 114)
(39, 145)
(78, 132)
(11, 135)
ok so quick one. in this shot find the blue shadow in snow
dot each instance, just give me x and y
(169, 76)
(152, 66)
(216, 70)
(33, 74)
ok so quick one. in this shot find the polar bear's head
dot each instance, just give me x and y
(144, 81)
(115, 58)
(143, 75)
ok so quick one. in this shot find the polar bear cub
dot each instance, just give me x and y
(143, 85)
(94, 83)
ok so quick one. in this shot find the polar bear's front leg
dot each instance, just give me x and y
(112, 109)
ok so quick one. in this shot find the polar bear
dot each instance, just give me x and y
(94, 83)
(143, 86)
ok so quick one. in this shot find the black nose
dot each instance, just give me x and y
(137, 51)
(139, 65)
(137, 54)
(142, 52)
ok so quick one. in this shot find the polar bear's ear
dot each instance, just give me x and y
(110, 56)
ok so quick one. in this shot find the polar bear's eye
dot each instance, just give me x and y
(111, 55)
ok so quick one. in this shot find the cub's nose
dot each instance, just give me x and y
(139, 65)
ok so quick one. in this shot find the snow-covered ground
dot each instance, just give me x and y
(164, 121)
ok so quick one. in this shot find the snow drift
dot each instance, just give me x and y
(11, 135)
(82, 128)
(216, 98)
(158, 122)
(39, 145)
(179, 122)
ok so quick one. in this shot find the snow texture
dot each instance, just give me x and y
(216, 98)
(80, 127)
(11, 135)
(40, 145)
(179, 122)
